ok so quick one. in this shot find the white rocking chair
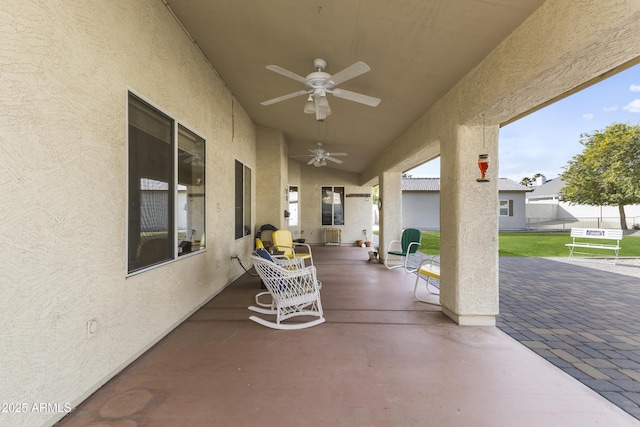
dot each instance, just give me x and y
(287, 264)
(294, 292)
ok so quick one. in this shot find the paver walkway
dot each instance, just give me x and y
(581, 316)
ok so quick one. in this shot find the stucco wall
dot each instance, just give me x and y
(563, 210)
(421, 210)
(66, 68)
(358, 214)
(517, 220)
(271, 177)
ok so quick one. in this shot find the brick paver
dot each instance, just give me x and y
(583, 320)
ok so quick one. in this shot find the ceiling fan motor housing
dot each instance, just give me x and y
(318, 80)
(319, 64)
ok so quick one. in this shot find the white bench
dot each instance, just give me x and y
(583, 238)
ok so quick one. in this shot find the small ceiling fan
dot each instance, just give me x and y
(320, 156)
(319, 83)
(190, 158)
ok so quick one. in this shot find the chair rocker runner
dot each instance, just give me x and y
(404, 248)
(283, 242)
(294, 292)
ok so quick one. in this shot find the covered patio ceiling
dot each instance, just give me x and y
(417, 50)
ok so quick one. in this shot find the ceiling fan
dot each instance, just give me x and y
(319, 83)
(190, 158)
(320, 156)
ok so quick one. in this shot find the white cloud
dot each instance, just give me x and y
(634, 88)
(610, 109)
(588, 116)
(633, 106)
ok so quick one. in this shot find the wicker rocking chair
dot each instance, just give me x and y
(294, 292)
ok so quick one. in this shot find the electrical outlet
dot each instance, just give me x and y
(92, 328)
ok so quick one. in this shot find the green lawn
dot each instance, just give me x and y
(535, 245)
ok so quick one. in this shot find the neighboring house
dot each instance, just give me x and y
(421, 204)
(545, 205)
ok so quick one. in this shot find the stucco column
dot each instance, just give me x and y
(469, 226)
(271, 177)
(390, 193)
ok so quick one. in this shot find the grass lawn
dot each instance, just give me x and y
(536, 245)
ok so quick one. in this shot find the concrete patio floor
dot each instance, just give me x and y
(381, 359)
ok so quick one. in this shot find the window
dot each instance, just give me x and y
(332, 205)
(293, 206)
(506, 208)
(191, 209)
(243, 200)
(156, 196)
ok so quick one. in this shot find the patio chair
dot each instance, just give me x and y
(428, 270)
(286, 263)
(404, 249)
(283, 242)
(294, 292)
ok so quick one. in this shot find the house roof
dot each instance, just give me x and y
(551, 188)
(433, 184)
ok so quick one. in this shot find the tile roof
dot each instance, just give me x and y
(433, 184)
(551, 188)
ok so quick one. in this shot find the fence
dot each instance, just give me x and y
(565, 224)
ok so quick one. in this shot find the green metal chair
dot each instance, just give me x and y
(404, 248)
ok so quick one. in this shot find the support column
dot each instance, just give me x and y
(469, 226)
(390, 221)
(271, 177)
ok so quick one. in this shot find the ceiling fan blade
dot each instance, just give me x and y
(311, 161)
(356, 97)
(285, 97)
(337, 154)
(286, 73)
(333, 160)
(350, 72)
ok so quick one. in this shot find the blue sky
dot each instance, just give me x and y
(544, 141)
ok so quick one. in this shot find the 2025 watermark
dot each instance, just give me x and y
(23, 407)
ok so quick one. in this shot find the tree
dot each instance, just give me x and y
(530, 181)
(607, 172)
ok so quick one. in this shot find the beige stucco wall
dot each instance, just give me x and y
(271, 177)
(358, 214)
(65, 71)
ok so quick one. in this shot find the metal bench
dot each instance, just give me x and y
(585, 238)
(428, 269)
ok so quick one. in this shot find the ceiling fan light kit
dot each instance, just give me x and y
(319, 83)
